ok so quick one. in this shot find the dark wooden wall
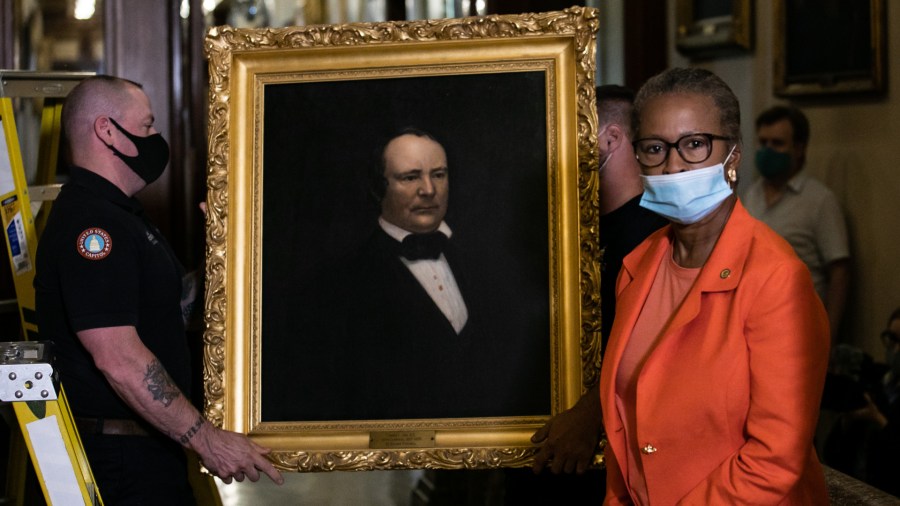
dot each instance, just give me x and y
(7, 35)
(148, 42)
(646, 53)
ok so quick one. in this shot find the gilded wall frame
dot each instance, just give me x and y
(708, 28)
(836, 49)
(294, 68)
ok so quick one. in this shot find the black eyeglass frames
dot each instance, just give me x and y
(693, 148)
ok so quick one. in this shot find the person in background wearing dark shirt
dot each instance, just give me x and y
(884, 458)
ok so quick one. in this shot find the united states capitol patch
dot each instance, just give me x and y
(94, 244)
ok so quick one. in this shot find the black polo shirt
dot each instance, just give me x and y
(101, 263)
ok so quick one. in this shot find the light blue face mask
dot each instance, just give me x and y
(686, 197)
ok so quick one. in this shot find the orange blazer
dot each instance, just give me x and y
(728, 398)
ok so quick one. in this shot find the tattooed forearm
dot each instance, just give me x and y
(187, 436)
(159, 384)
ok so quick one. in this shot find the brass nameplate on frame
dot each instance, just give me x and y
(401, 439)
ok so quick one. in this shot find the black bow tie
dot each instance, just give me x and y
(423, 246)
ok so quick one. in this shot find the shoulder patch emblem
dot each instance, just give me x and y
(94, 244)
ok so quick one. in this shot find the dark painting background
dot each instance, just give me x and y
(828, 44)
(320, 138)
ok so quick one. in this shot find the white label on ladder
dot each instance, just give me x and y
(56, 467)
(7, 183)
(18, 244)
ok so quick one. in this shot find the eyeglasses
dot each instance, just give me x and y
(693, 148)
(889, 338)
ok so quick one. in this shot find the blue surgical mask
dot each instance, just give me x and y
(686, 197)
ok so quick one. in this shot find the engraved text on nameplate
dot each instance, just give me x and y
(402, 439)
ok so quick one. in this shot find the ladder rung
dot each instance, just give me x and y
(28, 83)
(42, 193)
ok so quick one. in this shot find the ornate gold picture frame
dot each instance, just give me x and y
(836, 49)
(295, 118)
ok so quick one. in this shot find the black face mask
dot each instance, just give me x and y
(152, 154)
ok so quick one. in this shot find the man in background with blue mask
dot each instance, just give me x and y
(800, 208)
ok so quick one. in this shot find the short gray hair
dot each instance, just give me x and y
(95, 96)
(693, 80)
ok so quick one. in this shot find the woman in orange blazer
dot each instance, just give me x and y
(711, 382)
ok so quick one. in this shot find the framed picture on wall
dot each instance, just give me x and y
(828, 48)
(707, 28)
(320, 343)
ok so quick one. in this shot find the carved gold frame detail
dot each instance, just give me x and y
(242, 62)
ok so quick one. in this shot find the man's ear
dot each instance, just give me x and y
(613, 136)
(103, 129)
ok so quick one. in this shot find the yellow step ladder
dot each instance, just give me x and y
(27, 378)
(23, 225)
(29, 382)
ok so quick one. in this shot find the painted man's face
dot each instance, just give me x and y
(417, 188)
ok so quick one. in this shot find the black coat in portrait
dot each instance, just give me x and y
(382, 348)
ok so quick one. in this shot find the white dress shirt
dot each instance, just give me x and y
(436, 278)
